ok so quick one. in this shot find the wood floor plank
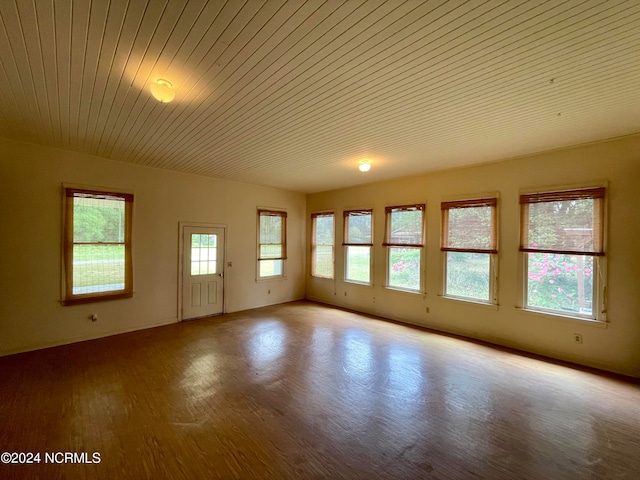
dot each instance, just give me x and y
(303, 390)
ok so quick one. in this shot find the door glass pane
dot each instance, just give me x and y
(211, 267)
(203, 254)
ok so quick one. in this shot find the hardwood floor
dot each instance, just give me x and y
(306, 391)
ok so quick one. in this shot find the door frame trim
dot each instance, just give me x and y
(181, 227)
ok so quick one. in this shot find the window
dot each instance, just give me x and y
(322, 245)
(272, 244)
(358, 240)
(469, 244)
(97, 246)
(404, 242)
(562, 238)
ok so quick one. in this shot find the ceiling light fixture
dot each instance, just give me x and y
(163, 91)
(365, 166)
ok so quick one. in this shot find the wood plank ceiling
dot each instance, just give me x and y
(293, 94)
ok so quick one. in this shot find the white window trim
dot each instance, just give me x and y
(270, 278)
(419, 291)
(493, 257)
(600, 293)
(345, 248)
(599, 301)
(423, 253)
(63, 273)
(493, 283)
(356, 282)
(312, 244)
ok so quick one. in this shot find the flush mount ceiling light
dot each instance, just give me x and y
(163, 91)
(365, 165)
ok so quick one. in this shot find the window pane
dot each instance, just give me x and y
(269, 268)
(270, 251)
(468, 275)
(404, 268)
(270, 229)
(323, 261)
(271, 243)
(322, 256)
(406, 227)
(359, 228)
(358, 264)
(470, 228)
(560, 282)
(562, 225)
(98, 268)
(98, 219)
(324, 230)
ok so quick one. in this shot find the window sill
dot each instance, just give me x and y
(322, 278)
(469, 302)
(583, 321)
(402, 290)
(271, 279)
(362, 284)
(95, 298)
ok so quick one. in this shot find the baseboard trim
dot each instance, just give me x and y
(488, 339)
(83, 338)
(242, 308)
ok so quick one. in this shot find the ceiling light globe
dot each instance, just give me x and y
(364, 167)
(162, 91)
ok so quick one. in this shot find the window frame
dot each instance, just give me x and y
(599, 282)
(346, 243)
(492, 250)
(314, 245)
(388, 244)
(68, 297)
(283, 242)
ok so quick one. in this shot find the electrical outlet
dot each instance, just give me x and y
(577, 338)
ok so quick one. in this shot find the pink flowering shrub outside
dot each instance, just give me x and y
(404, 271)
(560, 282)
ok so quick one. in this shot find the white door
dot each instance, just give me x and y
(202, 271)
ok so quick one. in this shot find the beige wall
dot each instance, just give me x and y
(30, 201)
(615, 348)
(30, 313)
